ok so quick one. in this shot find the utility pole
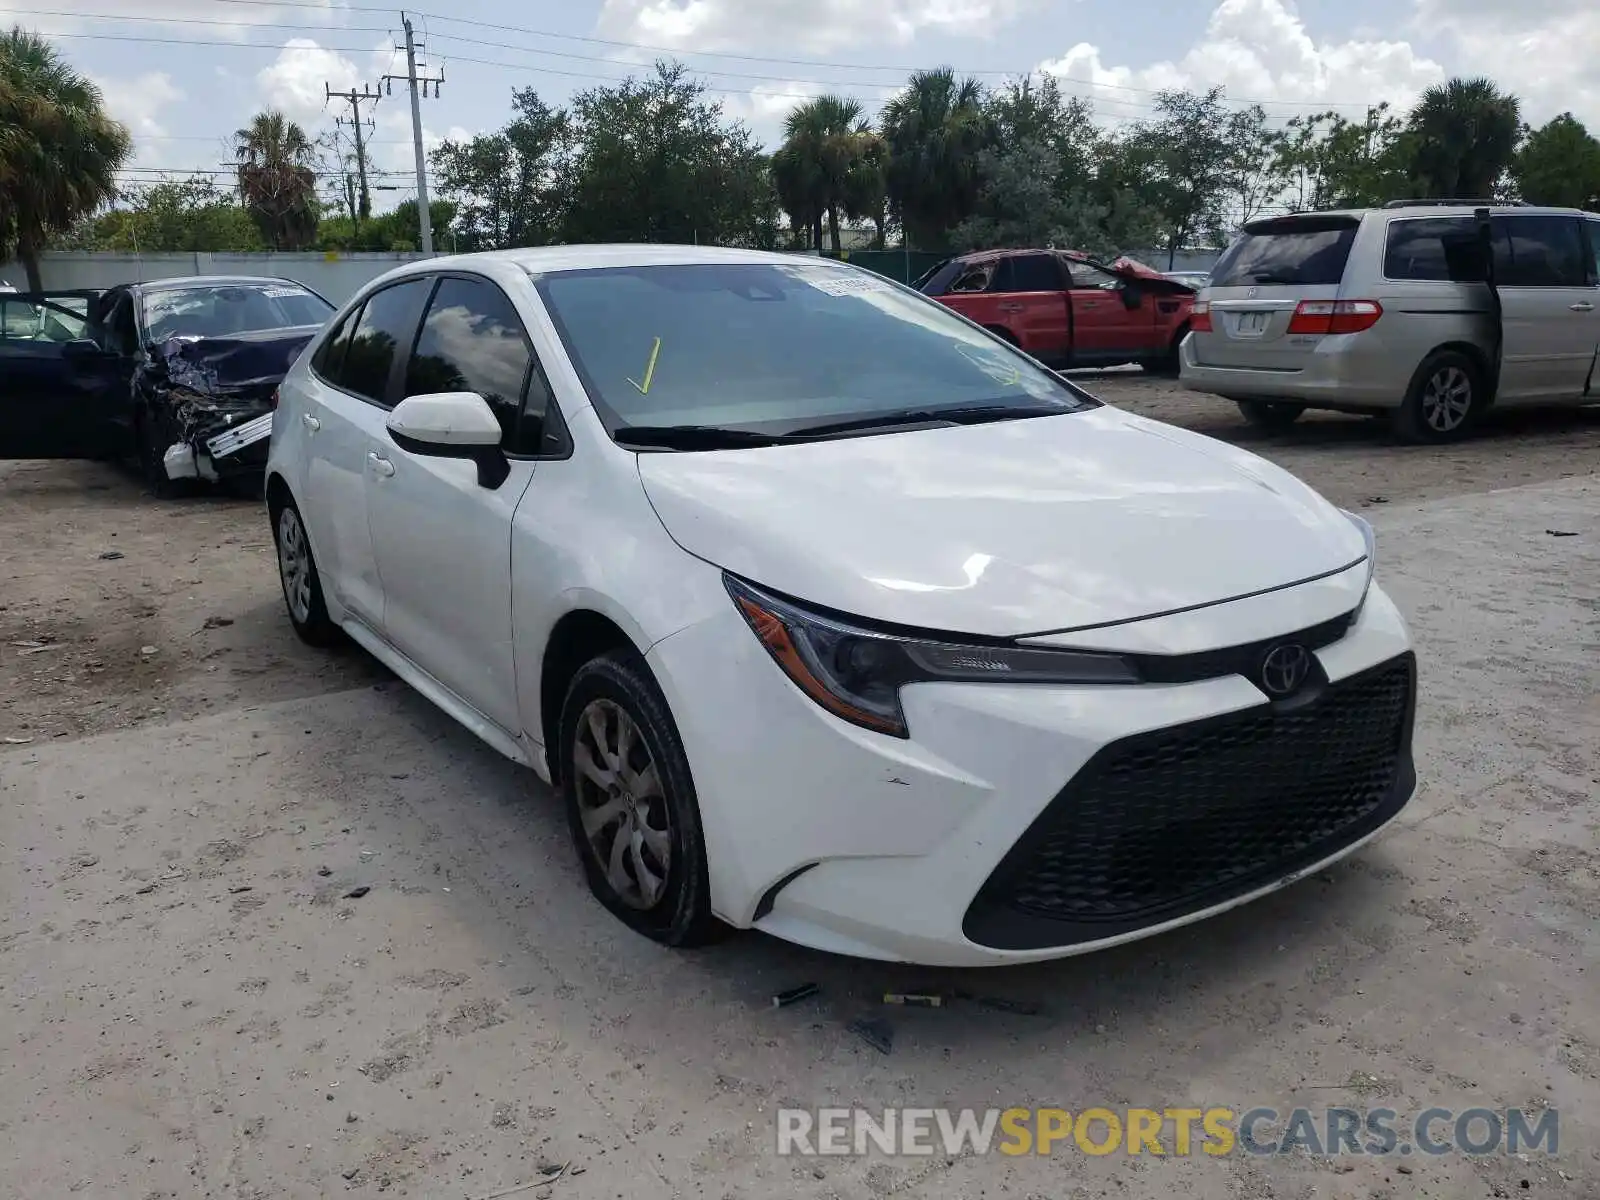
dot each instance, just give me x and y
(363, 205)
(424, 218)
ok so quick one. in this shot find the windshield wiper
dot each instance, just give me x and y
(975, 414)
(695, 437)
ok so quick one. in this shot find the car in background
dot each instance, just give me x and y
(1428, 313)
(179, 373)
(1067, 309)
(829, 613)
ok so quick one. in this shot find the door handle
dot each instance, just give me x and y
(1011, 308)
(311, 422)
(1582, 306)
(380, 464)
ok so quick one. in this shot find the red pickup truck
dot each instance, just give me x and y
(1067, 309)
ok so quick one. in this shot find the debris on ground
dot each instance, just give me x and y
(1004, 1004)
(875, 1032)
(234, 891)
(1562, 532)
(217, 622)
(39, 648)
(110, 555)
(550, 1174)
(356, 893)
(795, 994)
(147, 651)
(14, 741)
(914, 999)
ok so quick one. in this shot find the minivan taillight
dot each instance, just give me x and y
(1335, 316)
(1200, 317)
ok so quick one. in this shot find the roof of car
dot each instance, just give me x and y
(976, 256)
(190, 281)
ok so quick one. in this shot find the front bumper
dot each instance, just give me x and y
(992, 835)
(222, 452)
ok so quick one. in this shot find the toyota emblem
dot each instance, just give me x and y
(1284, 669)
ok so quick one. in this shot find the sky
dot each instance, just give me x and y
(184, 74)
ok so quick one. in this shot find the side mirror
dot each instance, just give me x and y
(451, 425)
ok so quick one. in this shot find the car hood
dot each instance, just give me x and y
(1004, 529)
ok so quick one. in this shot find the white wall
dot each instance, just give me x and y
(336, 276)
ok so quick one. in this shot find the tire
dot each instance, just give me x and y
(640, 789)
(302, 585)
(1004, 334)
(1169, 365)
(1270, 416)
(150, 448)
(1444, 401)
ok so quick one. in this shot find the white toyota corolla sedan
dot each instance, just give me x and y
(830, 614)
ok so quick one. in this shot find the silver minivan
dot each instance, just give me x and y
(1401, 310)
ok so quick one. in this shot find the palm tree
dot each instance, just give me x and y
(59, 150)
(1464, 138)
(276, 179)
(824, 142)
(935, 130)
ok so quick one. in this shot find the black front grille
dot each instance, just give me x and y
(1175, 821)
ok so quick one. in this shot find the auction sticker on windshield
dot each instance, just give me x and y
(837, 283)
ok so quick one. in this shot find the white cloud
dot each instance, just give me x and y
(813, 25)
(1548, 60)
(1260, 50)
(138, 102)
(196, 18)
(294, 82)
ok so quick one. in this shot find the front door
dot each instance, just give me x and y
(60, 390)
(1550, 307)
(1034, 300)
(1104, 326)
(442, 539)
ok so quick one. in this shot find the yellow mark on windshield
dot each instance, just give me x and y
(649, 370)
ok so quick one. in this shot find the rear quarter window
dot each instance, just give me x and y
(1444, 249)
(1300, 251)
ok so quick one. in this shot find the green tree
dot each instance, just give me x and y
(1038, 175)
(277, 180)
(1559, 164)
(817, 168)
(1252, 180)
(59, 150)
(1463, 138)
(510, 186)
(396, 230)
(186, 215)
(1328, 161)
(655, 161)
(1188, 150)
(935, 130)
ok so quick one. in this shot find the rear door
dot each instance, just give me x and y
(1033, 301)
(59, 393)
(1549, 303)
(1263, 276)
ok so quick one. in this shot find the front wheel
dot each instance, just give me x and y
(631, 804)
(1444, 400)
(1270, 416)
(152, 449)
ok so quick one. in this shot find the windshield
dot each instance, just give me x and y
(1305, 251)
(222, 310)
(777, 348)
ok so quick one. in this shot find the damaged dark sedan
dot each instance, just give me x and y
(181, 374)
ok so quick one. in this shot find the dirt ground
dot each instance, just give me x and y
(195, 1007)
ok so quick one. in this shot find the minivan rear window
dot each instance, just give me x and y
(1298, 251)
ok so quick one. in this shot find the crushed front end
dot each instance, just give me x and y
(208, 402)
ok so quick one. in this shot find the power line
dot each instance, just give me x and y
(97, 16)
(680, 51)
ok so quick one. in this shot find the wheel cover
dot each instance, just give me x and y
(1447, 399)
(294, 565)
(621, 804)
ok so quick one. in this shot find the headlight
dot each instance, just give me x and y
(857, 673)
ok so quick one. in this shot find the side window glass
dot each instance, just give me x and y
(1035, 273)
(1440, 249)
(388, 322)
(973, 279)
(472, 341)
(1085, 276)
(1540, 252)
(1003, 279)
(330, 355)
